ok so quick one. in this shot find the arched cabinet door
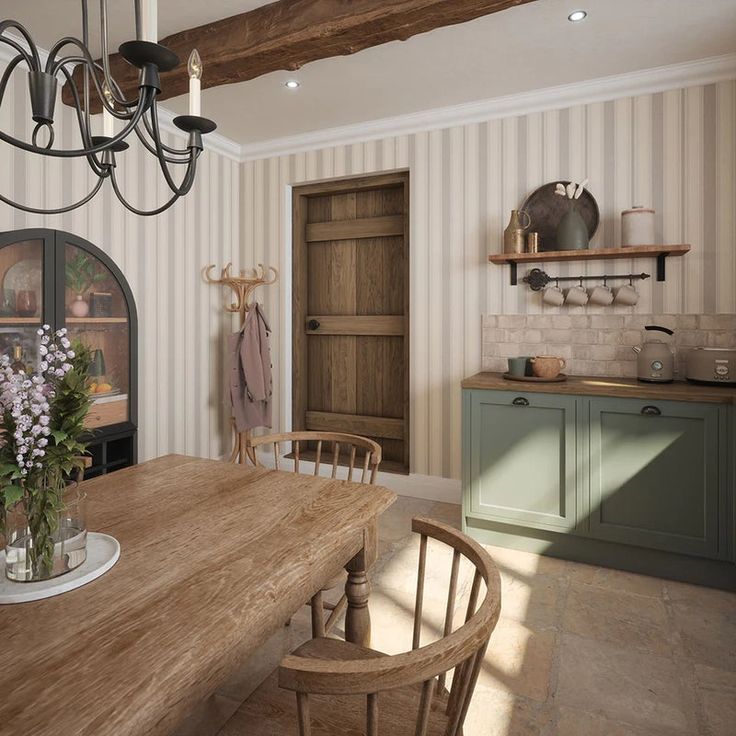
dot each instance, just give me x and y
(57, 278)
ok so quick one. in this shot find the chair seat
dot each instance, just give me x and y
(271, 711)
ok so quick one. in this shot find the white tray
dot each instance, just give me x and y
(103, 552)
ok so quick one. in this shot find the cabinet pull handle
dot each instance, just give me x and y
(520, 401)
(651, 411)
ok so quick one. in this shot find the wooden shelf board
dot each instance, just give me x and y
(632, 251)
(12, 321)
(96, 320)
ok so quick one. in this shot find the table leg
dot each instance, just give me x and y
(357, 617)
(357, 590)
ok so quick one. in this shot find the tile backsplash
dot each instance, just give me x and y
(598, 345)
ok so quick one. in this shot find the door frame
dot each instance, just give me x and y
(299, 353)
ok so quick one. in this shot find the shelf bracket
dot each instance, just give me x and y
(514, 278)
(661, 258)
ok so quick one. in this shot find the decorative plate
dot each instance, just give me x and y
(546, 209)
(25, 275)
(103, 552)
(535, 379)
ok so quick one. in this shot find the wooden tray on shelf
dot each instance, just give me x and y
(535, 379)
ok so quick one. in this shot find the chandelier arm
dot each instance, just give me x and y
(84, 128)
(146, 97)
(7, 24)
(152, 149)
(115, 90)
(95, 78)
(135, 210)
(60, 210)
(168, 149)
(21, 51)
(6, 76)
(164, 168)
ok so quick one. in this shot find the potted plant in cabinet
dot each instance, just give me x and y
(81, 275)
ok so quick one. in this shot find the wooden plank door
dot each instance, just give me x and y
(351, 311)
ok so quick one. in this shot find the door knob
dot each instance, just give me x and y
(313, 324)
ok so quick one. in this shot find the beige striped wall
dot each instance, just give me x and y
(674, 151)
(180, 317)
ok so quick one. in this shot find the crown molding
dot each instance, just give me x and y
(214, 142)
(630, 84)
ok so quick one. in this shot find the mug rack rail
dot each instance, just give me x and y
(538, 279)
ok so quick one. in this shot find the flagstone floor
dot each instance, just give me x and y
(578, 651)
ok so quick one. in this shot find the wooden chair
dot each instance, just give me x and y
(342, 688)
(337, 445)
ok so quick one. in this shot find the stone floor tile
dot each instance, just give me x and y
(519, 660)
(574, 722)
(525, 563)
(699, 595)
(531, 600)
(616, 580)
(708, 634)
(449, 513)
(717, 690)
(499, 713)
(395, 524)
(632, 687)
(633, 622)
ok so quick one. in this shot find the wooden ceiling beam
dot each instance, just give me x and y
(288, 34)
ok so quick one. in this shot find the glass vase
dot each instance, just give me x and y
(69, 537)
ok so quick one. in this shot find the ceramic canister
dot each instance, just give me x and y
(637, 226)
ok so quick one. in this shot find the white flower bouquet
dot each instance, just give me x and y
(43, 420)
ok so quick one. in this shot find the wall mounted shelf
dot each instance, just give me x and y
(660, 252)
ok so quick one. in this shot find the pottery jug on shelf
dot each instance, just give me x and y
(572, 232)
(514, 235)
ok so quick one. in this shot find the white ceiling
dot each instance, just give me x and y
(518, 50)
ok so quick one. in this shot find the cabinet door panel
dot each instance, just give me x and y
(522, 458)
(654, 476)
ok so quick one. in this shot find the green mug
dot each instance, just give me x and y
(518, 366)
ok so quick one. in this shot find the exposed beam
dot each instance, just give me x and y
(288, 34)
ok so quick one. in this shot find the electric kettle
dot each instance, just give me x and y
(655, 361)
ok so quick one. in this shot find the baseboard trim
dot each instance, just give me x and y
(426, 487)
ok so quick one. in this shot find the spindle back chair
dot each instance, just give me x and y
(397, 695)
(336, 446)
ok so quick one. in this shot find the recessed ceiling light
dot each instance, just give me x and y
(292, 84)
(576, 16)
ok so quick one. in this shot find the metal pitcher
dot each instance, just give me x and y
(514, 235)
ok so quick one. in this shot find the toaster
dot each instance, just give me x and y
(712, 365)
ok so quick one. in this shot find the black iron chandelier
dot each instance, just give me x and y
(139, 116)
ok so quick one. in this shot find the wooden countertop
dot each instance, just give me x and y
(602, 386)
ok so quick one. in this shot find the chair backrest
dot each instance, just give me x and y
(329, 445)
(461, 650)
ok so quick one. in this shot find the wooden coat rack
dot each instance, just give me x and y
(243, 287)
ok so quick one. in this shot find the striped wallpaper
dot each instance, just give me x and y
(180, 317)
(674, 151)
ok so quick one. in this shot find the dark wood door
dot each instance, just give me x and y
(351, 311)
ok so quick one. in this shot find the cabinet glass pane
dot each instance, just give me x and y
(21, 283)
(97, 314)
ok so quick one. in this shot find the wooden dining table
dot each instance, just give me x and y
(215, 559)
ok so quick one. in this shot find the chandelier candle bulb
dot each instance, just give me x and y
(195, 83)
(149, 20)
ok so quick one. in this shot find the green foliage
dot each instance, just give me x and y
(82, 273)
(41, 492)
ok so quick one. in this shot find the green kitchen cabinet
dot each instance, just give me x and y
(521, 458)
(657, 470)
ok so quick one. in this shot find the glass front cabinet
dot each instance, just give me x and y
(56, 278)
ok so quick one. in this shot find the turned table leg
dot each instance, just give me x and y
(357, 617)
(357, 590)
